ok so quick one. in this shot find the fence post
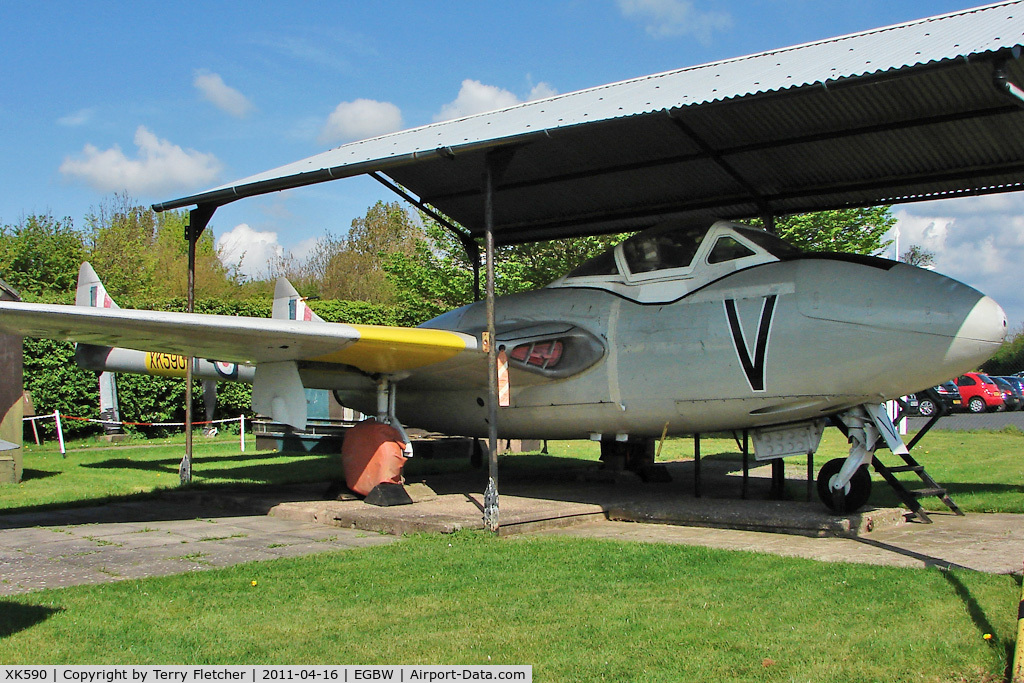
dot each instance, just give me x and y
(241, 431)
(60, 433)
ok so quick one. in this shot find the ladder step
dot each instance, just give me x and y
(908, 468)
(924, 493)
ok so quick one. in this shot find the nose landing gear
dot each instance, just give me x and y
(845, 484)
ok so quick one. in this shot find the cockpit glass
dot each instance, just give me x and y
(728, 249)
(773, 244)
(648, 252)
(603, 264)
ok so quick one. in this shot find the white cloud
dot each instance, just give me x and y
(977, 240)
(305, 248)
(78, 118)
(159, 166)
(674, 18)
(223, 96)
(476, 98)
(540, 91)
(252, 250)
(359, 120)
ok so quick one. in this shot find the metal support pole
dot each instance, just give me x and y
(810, 476)
(185, 468)
(696, 465)
(475, 257)
(198, 219)
(491, 494)
(746, 465)
(778, 490)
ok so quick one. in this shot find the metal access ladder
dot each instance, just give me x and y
(911, 497)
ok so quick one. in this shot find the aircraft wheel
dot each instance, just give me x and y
(857, 491)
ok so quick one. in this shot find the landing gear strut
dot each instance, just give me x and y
(845, 484)
(386, 395)
(633, 456)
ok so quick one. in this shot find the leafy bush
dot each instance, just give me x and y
(56, 381)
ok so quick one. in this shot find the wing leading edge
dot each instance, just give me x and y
(372, 349)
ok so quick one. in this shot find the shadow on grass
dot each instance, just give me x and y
(173, 462)
(297, 467)
(259, 479)
(16, 617)
(28, 474)
(981, 621)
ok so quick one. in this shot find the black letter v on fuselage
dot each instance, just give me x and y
(752, 367)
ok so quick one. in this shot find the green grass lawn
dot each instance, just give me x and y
(575, 609)
(984, 471)
(94, 472)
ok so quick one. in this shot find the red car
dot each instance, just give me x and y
(979, 392)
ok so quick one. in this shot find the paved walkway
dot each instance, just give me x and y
(197, 532)
(140, 539)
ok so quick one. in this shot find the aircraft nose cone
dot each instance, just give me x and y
(914, 328)
(982, 331)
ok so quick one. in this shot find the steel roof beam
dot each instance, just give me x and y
(750, 148)
(550, 230)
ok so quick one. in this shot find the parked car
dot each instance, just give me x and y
(1015, 399)
(942, 399)
(949, 398)
(1015, 381)
(979, 392)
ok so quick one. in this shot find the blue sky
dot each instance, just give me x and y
(164, 99)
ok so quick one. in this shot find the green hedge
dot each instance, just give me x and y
(56, 382)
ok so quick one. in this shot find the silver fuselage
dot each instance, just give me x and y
(839, 333)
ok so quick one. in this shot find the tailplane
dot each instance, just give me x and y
(91, 291)
(288, 305)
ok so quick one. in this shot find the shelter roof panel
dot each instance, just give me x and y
(898, 113)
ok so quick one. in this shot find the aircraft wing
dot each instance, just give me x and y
(368, 348)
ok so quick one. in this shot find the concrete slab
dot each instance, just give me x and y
(569, 497)
(443, 514)
(44, 550)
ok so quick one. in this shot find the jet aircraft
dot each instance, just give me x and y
(681, 328)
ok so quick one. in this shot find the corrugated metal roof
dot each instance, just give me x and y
(896, 112)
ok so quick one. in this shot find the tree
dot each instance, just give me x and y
(917, 255)
(535, 264)
(143, 254)
(121, 247)
(1009, 359)
(40, 255)
(354, 268)
(438, 276)
(856, 231)
(170, 249)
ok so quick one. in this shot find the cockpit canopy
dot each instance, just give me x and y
(667, 261)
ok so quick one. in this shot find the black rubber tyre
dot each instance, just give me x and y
(926, 407)
(858, 492)
(976, 405)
